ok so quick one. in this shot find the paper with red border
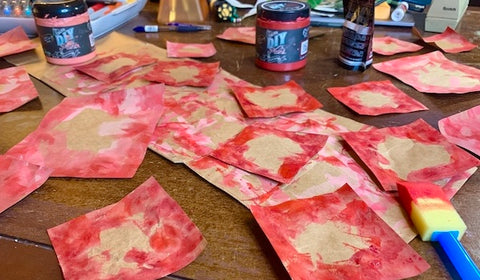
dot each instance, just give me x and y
(175, 49)
(389, 46)
(183, 73)
(15, 41)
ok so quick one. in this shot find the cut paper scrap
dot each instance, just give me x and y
(376, 98)
(146, 235)
(15, 41)
(272, 101)
(449, 41)
(433, 73)
(389, 46)
(97, 136)
(239, 34)
(111, 68)
(413, 152)
(16, 88)
(336, 236)
(183, 73)
(18, 179)
(244, 186)
(272, 153)
(463, 129)
(190, 50)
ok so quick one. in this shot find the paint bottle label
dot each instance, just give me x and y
(282, 46)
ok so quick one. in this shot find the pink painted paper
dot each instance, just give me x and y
(97, 136)
(463, 129)
(432, 72)
(15, 41)
(272, 153)
(389, 46)
(272, 101)
(146, 235)
(190, 50)
(16, 88)
(413, 152)
(239, 34)
(449, 41)
(18, 179)
(111, 68)
(376, 98)
(336, 236)
(183, 73)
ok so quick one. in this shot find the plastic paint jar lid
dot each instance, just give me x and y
(65, 31)
(282, 35)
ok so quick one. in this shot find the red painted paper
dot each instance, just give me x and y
(450, 41)
(183, 73)
(97, 136)
(272, 101)
(190, 50)
(376, 98)
(18, 179)
(111, 68)
(413, 152)
(272, 153)
(146, 235)
(239, 34)
(389, 46)
(15, 41)
(336, 236)
(463, 129)
(16, 88)
(432, 72)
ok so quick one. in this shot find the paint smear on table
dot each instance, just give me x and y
(18, 179)
(336, 236)
(183, 73)
(272, 101)
(433, 73)
(112, 68)
(463, 129)
(239, 34)
(190, 50)
(449, 41)
(16, 88)
(99, 136)
(272, 153)
(413, 152)
(389, 46)
(15, 41)
(146, 235)
(376, 98)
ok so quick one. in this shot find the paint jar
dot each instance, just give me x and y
(399, 12)
(65, 31)
(282, 35)
(357, 38)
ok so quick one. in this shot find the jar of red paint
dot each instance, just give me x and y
(282, 35)
(65, 31)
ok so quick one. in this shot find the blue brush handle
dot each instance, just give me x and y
(460, 259)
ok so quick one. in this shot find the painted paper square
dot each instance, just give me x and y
(190, 50)
(272, 101)
(15, 41)
(183, 73)
(376, 98)
(97, 136)
(432, 73)
(389, 46)
(336, 236)
(239, 34)
(413, 152)
(146, 235)
(449, 41)
(272, 153)
(16, 88)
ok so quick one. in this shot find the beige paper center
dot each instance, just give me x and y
(436, 76)
(183, 73)
(83, 131)
(329, 242)
(272, 98)
(113, 65)
(389, 47)
(191, 49)
(448, 44)
(405, 155)
(222, 130)
(269, 151)
(375, 100)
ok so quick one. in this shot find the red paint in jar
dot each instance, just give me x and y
(65, 31)
(282, 35)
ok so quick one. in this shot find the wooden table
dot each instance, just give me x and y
(237, 248)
